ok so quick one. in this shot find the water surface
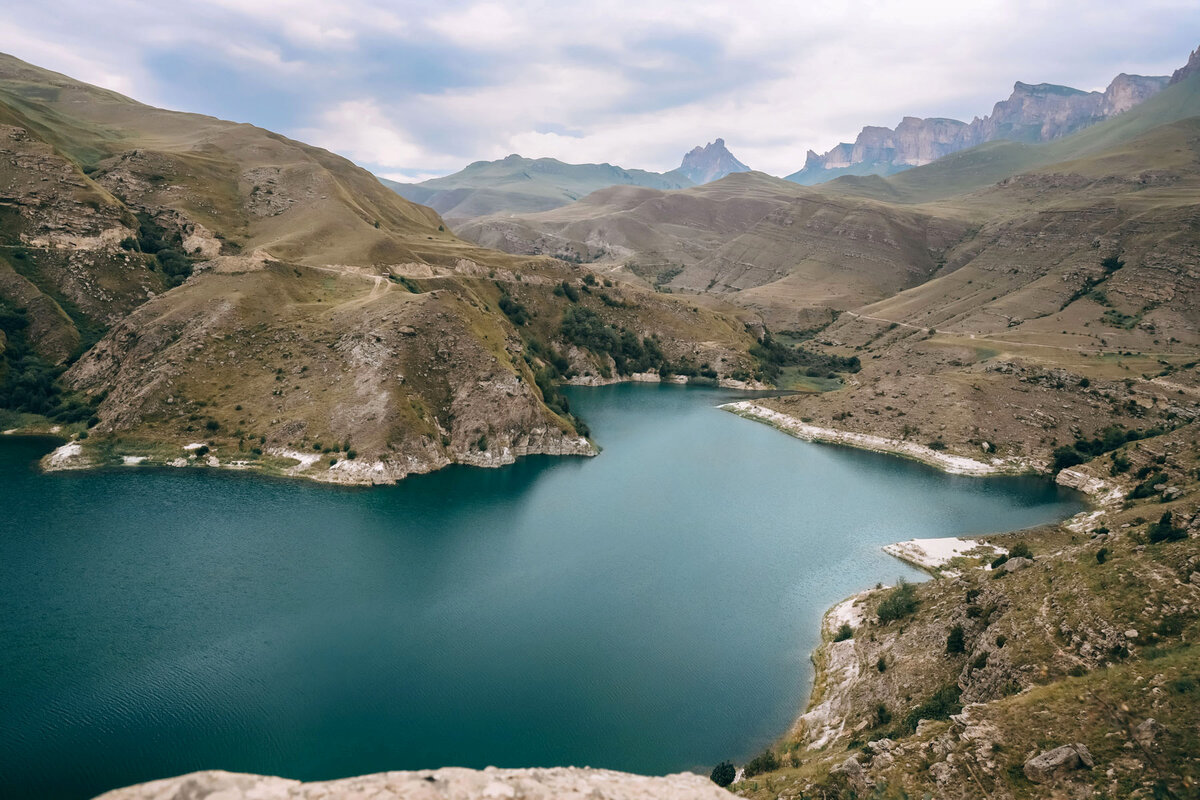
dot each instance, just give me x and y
(651, 609)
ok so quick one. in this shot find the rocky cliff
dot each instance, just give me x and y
(564, 783)
(1033, 113)
(710, 163)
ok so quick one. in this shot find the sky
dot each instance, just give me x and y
(411, 90)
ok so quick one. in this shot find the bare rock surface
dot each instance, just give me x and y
(450, 783)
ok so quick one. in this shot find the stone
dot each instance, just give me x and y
(1016, 564)
(1131, 633)
(1146, 732)
(1058, 762)
(941, 771)
(462, 784)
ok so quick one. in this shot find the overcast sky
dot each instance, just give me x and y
(413, 89)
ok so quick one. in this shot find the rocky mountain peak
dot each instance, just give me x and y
(711, 162)
(1188, 69)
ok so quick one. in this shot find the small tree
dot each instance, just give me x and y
(723, 774)
(1020, 550)
(955, 642)
(899, 603)
(845, 632)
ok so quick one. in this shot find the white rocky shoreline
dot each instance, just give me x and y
(947, 462)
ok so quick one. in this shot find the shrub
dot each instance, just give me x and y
(845, 632)
(351, 454)
(1001, 640)
(881, 664)
(766, 761)
(723, 774)
(941, 705)
(1165, 530)
(882, 715)
(1102, 555)
(1146, 487)
(899, 603)
(956, 641)
(937, 444)
(1020, 550)
(516, 312)
(212, 425)
(482, 443)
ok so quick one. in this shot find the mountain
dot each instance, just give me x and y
(219, 294)
(780, 249)
(710, 163)
(515, 185)
(1033, 113)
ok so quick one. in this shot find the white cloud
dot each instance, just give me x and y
(485, 25)
(404, 90)
(361, 131)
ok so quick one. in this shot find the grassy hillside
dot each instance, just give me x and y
(214, 284)
(952, 692)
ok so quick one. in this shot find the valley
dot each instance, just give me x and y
(1012, 301)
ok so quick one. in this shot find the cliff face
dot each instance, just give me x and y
(1188, 69)
(1033, 113)
(710, 163)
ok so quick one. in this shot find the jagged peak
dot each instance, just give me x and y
(711, 162)
(1190, 68)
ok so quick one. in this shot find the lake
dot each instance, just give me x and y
(651, 609)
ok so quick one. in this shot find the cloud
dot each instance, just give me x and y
(361, 131)
(403, 89)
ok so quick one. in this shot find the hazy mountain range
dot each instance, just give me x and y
(516, 184)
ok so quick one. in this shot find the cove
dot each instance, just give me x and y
(651, 609)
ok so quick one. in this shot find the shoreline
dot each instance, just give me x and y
(834, 669)
(946, 462)
(73, 455)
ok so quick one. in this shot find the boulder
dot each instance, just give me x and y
(1016, 564)
(1057, 762)
(1147, 732)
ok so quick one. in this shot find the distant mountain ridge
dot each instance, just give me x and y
(516, 184)
(519, 185)
(710, 163)
(1032, 113)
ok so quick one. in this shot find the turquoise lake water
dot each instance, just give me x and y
(651, 609)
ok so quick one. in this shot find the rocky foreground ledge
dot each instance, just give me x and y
(450, 783)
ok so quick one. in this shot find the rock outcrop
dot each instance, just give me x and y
(1059, 761)
(1033, 113)
(1188, 69)
(710, 163)
(562, 783)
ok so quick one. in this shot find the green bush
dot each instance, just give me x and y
(956, 641)
(941, 705)
(1020, 550)
(845, 632)
(899, 603)
(516, 312)
(766, 761)
(723, 774)
(1165, 530)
